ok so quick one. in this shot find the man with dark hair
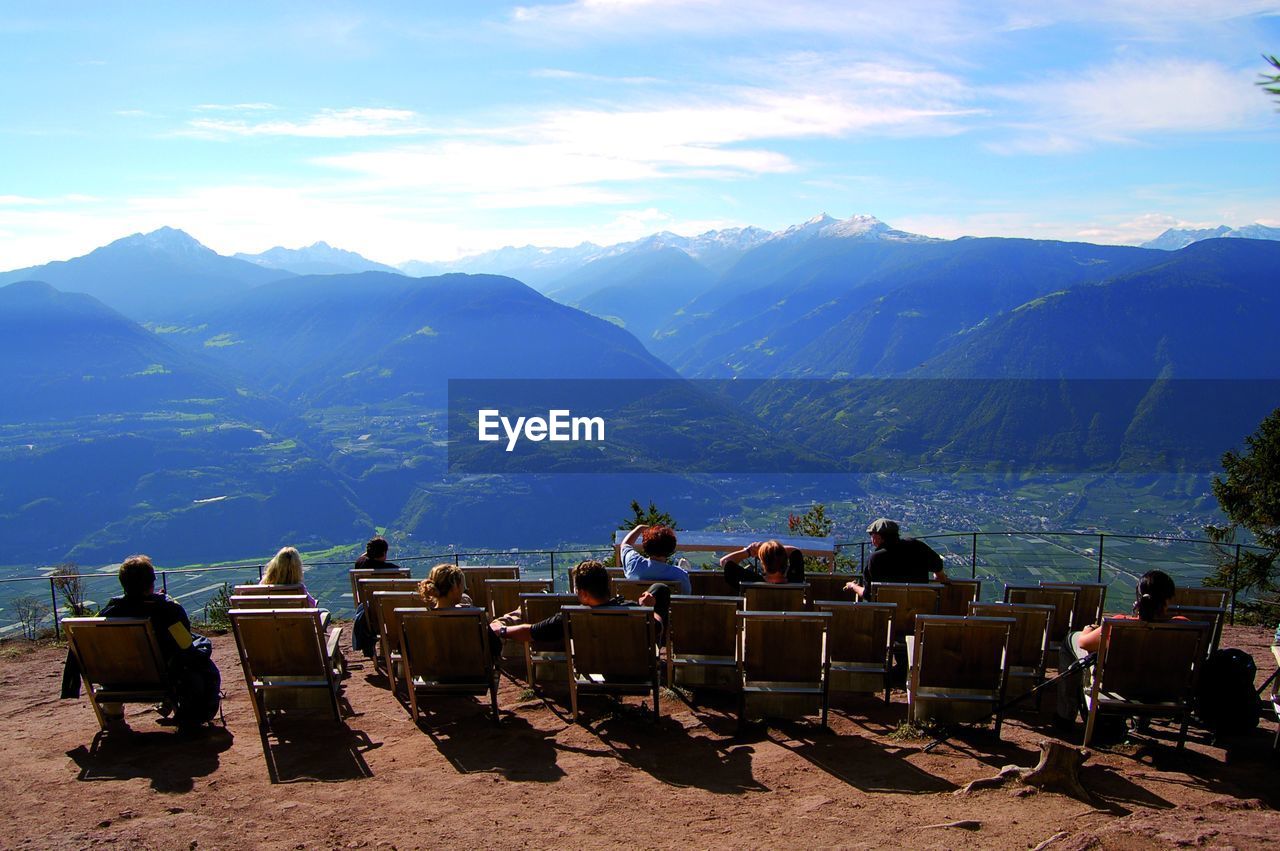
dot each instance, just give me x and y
(659, 542)
(374, 556)
(197, 680)
(897, 559)
(592, 585)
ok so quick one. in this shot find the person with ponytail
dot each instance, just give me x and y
(442, 589)
(1155, 590)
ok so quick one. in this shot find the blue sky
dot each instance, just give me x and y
(424, 131)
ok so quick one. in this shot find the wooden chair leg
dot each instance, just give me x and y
(1088, 727)
(573, 697)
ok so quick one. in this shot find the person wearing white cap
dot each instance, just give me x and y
(897, 559)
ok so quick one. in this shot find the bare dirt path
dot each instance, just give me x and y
(537, 781)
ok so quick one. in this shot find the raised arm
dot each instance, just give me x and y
(631, 537)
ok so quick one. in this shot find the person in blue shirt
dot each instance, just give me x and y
(658, 543)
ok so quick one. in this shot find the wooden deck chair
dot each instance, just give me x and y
(912, 598)
(254, 590)
(363, 587)
(1275, 696)
(1091, 601)
(547, 657)
(611, 650)
(859, 642)
(700, 642)
(1216, 598)
(783, 664)
(120, 662)
(958, 674)
(390, 655)
(1063, 601)
(504, 594)
(631, 589)
(709, 583)
(446, 651)
(828, 586)
(475, 576)
(957, 594)
(287, 660)
(1203, 614)
(356, 574)
(774, 596)
(270, 601)
(1028, 642)
(1147, 669)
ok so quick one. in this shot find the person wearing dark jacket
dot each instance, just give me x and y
(779, 562)
(196, 678)
(897, 559)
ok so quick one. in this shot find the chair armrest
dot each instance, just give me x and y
(331, 642)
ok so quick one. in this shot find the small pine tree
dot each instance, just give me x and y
(647, 517)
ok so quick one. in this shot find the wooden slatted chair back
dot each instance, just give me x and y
(1214, 598)
(358, 573)
(504, 594)
(957, 594)
(1140, 660)
(386, 604)
(446, 646)
(829, 586)
(475, 576)
(270, 601)
(774, 596)
(280, 643)
(614, 643)
(709, 583)
(1203, 614)
(1091, 600)
(254, 590)
(117, 653)
(962, 653)
(1029, 638)
(1063, 601)
(783, 647)
(912, 599)
(631, 589)
(702, 626)
(859, 633)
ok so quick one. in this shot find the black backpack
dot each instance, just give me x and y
(1227, 703)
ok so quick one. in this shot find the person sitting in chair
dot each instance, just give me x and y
(374, 556)
(592, 585)
(197, 679)
(442, 589)
(897, 559)
(779, 562)
(1155, 590)
(659, 543)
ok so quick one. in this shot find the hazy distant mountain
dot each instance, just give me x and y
(319, 258)
(150, 276)
(116, 442)
(1175, 238)
(529, 264)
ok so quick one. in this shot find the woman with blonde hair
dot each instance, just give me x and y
(286, 569)
(442, 589)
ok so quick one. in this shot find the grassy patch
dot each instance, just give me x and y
(220, 341)
(908, 731)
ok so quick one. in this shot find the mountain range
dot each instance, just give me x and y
(169, 399)
(319, 258)
(1175, 238)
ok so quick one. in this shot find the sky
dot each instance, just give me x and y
(426, 131)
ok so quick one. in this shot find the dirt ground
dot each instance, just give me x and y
(536, 780)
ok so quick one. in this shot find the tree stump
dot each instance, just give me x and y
(1057, 771)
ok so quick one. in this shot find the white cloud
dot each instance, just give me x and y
(1126, 101)
(325, 124)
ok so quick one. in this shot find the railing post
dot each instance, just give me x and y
(1102, 542)
(553, 571)
(455, 559)
(53, 595)
(862, 559)
(164, 583)
(259, 573)
(973, 558)
(1235, 573)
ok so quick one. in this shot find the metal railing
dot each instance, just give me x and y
(959, 549)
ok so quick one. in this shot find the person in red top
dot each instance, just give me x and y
(1155, 590)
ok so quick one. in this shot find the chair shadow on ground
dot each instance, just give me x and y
(862, 763)
(169, 760)
(314, 750)
(466, 735)
(667, 751)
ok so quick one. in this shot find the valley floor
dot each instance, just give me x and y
(537, 780)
